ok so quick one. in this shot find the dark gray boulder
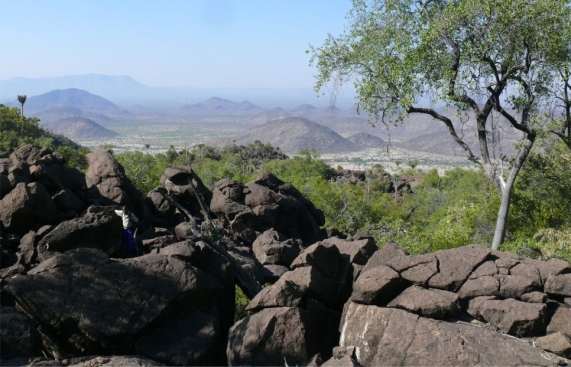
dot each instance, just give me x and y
(99, 231)
(191, 339)
(456, 265)
(27, 206)
(87, 303)
(18, 336)
(272, 337)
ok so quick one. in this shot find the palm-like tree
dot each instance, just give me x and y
(22, 100)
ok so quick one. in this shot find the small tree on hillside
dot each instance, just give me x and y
(22, 100)
(473, 55)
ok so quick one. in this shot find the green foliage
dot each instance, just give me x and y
(74, 157)
(16, 130)
(542, 198)
(240, 305)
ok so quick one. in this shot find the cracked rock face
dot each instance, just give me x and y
(392, 337)
(93, 304)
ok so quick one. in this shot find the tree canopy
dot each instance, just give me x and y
(482, 56)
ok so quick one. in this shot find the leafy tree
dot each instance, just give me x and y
(474, 55)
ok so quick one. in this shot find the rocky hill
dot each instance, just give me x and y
(72, 97)
(56, 113)
(267, 116)
(79, 127)
(71, 296)
(364, 140)
(294, 133)
(221, 104)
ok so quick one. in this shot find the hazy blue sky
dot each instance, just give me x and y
(198, 43)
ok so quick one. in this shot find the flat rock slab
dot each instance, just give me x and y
(434, 303)
(486, 285)
(514, 286)
(383, 255)
(393, 337)
(456, 265)
(377, 286)
(558, 343)
(560, 321)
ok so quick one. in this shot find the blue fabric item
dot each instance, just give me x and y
(129, 239)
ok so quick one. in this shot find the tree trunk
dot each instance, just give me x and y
(502, 221)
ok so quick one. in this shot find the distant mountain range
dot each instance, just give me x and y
(125, 91)
(364, 140)
(221, 104)
(59, 112)
(292, 134)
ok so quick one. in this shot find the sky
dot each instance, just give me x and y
(169, 43)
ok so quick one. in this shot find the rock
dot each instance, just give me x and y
(115, 361)
(18, 336)
(184, 251)
(482, 286)
(26, 207)
(488, 268)
(557, 343)
(560, 321)
(5, 185)
(456, 265)
(109, 179)
(558, 285)
(273, 273)
(248, 261)
(549, 267)
(177, 183)
(383, 255)
(281, 294)
(157, 243)
(341, 362)
(184, 231)
(313, 284)
(325, 259)
(265, 203)
(357, 252)
(515, 317)
(514, 286)
(99, 231)
(272, 248)
(192, 339)
(416, 269)
(393, 337)
(33, 154)
(90, 304)
(270, 336)
(65, 199)
(377, 286)
(19, 173)
(527, 271)
(472, 306)
(160, 204)
(505, 260)
(534, 297)
(434, 303)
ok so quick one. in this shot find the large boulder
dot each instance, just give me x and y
(393, 337)
(272, 337)
(177, 182)
(87, 303)
(456, 265)
(108, 178)
(273, 248)
(265, 203)
(434, 303)
(515, 317)
(18, 335)
(27, 206)
(99, 231)
(377, 286)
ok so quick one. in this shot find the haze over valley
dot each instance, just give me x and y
(341, 135)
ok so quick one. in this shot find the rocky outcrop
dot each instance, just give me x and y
(330, 298)
(265, 203)
(107, 177)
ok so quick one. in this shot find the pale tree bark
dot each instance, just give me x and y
(506, 189)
